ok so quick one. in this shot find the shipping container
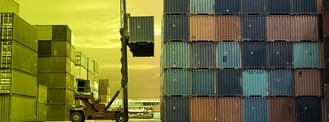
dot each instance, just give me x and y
(202, 27)
(45, 48)
(176, 6)
(254, 54)
(255, 109)
(61, 33)
(278, 27)
(203, 109)
(176, 28)
(44, 32)
(229, 109)
(81, 72)
(176, 109)
(254, 83)
(304, 6)
(42, 94)
(304, 27)
(253, 27)
(104, 82)
(326, 52)
(319, 7)
(177, 82)
(56, 80)
(60, 96)
(9, 6)
(203, 55)
(17, 108)
(42, 112)
(58, 112)
(228, 27)
(56, 64)
(325, 4)
(278, 6)
(229, 82)
(227, 6)
(325, 19)
(326, 97)
(281, 82)
(141, 29)
(228, 55)
(253, 6)
(308, 83)
(281, 109)
(62, 49)
(306, 55)
(308, 109)
(203, 82)
(22, 83)
(202, 6)
(280, 55)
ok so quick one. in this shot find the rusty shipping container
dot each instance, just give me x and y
(281, 109)
(304, 27)
(278, 27)
(325, 17)
(228, 28)
(308, 82)
(203, 109)
(202, 28)
(229, 109)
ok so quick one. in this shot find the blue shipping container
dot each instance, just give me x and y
(280, 55)
(253, 6)
(278, 6)
(176, 27)
(228, 55)
(253, 28)
(255, 109)
(202, 7)
(254, 55)
(176, 109)
(306, 55)
(304, 6)
(227, 6)
(176, 55)
(176, 6)
(281, 83)
(203, 82)
(254, 83)
(177, 82)
(229, 82)
(203, 55)
(308, 109)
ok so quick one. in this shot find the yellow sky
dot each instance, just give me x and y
(95, 25)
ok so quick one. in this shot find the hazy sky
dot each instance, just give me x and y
(95, 25)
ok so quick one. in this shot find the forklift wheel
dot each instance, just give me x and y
(121, 117)
(77, 117)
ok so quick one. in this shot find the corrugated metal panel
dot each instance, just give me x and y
(202, 7)
(81, 72)
(278, 6)
(228, 55)
(81, 59)
(60, 96)
(203, 82)
(56, 80)
(325, 17)
(308, 109)
(23, 83)
(304, 27)
(227, 6)
(253, 6)
(278, 27)
(22, 108)
(203, 55)
(254, 55)
(176, 6)
(326, 52)
(281, 83)
(5, 82)
(61, 33)
(9, 6)
(176, 109)
(255, 109)
(325, 4)
(229, 82)
(58, 112)
(44, 48)
(253, 27)
(280, 55)
(319, 6)
(55, 64)
(44, 32)
(63, 48)
(326, 76)
(228, 28)
(308, 83)
(42, 111)
(176, 27)
(254, 83)
(229, 109)
(203, 109)
(23, 58)
(202, 27)
(42, 93)
(141, 29)
(326, 96)
(281, 109)
(304, 6)
(306, 55)
(177, 82)
(4, 108)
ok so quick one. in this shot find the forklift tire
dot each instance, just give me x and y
(77, 117)
(121, 117)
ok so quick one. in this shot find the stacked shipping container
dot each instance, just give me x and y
(325, 33)
(104, 90)
(260, 53)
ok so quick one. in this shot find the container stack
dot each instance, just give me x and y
(56, 69)
(92, 76)
(104, 90)
(81, 65)
(325, 21)
(242, 60)
(18, 69)
(9, 6)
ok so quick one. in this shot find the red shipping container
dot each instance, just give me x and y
(325, 24)
(304, 27)
(228, 28)
(202, 28)
(281, 109)
(308, 83)
(229, 109)
(203, 109)
(278, 27)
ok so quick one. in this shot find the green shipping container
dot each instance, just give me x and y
(56, 80)
(81, 59)
(306, 55)
(58, 112)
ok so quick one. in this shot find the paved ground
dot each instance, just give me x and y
(130, 120)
